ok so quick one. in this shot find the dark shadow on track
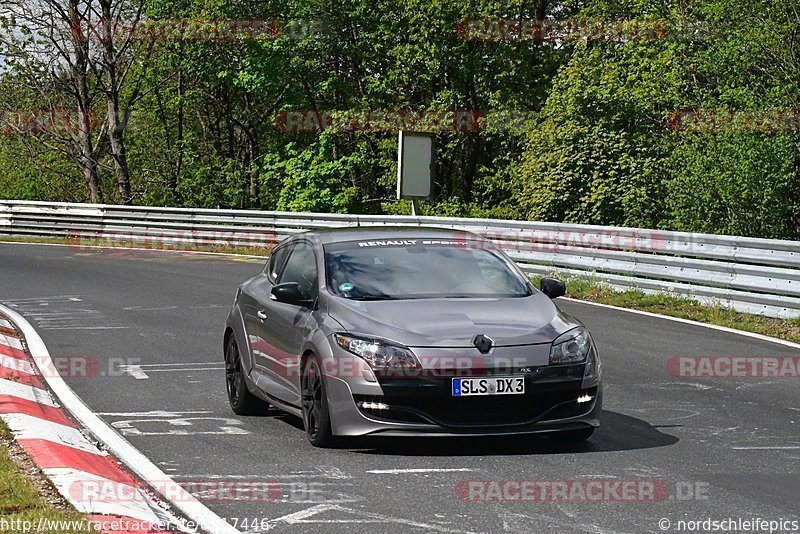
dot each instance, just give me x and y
(282, 416)
(618, 433)
(288, 419)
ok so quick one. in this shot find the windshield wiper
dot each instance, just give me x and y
(373, 297)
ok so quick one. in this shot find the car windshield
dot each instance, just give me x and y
(420, 268)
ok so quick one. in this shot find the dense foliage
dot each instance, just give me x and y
(589, 138)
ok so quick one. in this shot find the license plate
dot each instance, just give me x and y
(495, 385)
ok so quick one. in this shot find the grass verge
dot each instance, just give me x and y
(28, 499)
(675, 306)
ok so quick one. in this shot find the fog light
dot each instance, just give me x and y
(373, 406)
(584, 398)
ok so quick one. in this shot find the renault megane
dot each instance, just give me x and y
(394, 331)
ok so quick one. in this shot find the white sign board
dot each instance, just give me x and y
(415, 165)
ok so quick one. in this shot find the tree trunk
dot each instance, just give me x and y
(179, 143)
(87, 161)
(116, 124)
(80, 68)
(255, 153)
(116, 130)
(468, 178)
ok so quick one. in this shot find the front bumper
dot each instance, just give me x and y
(424, 406)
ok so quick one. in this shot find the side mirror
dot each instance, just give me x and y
(289, 293)
(553, 288)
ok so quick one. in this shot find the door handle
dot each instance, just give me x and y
(261, 315)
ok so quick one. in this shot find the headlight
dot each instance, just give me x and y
(380, 355)
(572, 346)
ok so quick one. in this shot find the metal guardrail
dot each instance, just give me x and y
(752, 275)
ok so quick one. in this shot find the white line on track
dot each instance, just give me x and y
(182, 369)
(140, 371)
(688, 321)
(419, 470)
(84, 327)
(135, 371)
(328, 472)
(139, 308)
(357, 516)
(157, 413)
(778, 448)
(63, 313)
(73, 298)
(165, 308)
(72, 319)
(54, 314)
(250, 477)
(146, 365)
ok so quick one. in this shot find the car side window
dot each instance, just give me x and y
(276, 260)
(301, 267)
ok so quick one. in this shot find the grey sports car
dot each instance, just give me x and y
(394, 331)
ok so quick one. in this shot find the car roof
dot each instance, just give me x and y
(377, 232)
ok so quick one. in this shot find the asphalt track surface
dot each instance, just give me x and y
(735, 441)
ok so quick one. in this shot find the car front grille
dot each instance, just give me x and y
(430, 400)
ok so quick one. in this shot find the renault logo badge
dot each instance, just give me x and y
(483, 343)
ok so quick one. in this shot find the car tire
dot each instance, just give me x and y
(241, 400)
(316, 414)
(575, 436)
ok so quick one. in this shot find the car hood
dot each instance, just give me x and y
(454, 322)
